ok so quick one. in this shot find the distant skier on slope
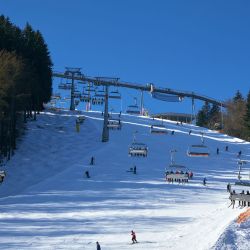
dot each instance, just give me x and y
(133, 237)
(98, 247)
(204, 181)
(92, 161)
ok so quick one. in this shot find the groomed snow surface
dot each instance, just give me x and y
(48, 203)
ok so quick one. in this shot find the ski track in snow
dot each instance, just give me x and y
(47, 203)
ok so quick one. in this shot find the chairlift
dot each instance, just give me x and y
(100, 93)
(62, 86)
(77, 94)
(138, 149)
(90, 88)
(198, 150)
(167, 97)
(176, 172)
(97, 100)
(85, 97)
(158, 129)
(114, 124)
(133, 109)
(115, 94)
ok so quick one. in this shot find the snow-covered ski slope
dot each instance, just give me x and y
(48, 203)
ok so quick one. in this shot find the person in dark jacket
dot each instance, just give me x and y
(134, 170)
(92, 160)
(133, 237)
(98, 247)
(217, 151)
(204, 181)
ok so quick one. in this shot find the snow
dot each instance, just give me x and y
(48, 203)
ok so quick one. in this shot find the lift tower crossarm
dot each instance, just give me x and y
(147, 87)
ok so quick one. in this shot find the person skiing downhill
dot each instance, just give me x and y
(98, 247)
(133, 237)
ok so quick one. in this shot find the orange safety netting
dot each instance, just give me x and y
(244, 216)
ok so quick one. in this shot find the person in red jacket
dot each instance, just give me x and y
(133, 237)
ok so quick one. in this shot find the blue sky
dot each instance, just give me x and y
(200, 46)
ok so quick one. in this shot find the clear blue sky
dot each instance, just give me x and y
(195, 45)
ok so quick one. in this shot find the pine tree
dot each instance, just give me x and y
(247, 118)
(203, 115)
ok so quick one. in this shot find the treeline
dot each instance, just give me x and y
(25, 79)
(235, 121)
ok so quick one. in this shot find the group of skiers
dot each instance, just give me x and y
(226, 149)
(242, 202)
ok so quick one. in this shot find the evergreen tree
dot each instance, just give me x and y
(203, 115)
(247, 118)
(238, 97)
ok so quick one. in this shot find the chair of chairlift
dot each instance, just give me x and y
(97, 100)
(115, 94)
(99, 93)
(138, 149)
(198, 150)
(158, 129)
(177, 173)
(133, 109)
(114, 124)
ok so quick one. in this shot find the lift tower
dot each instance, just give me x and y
(72, 73)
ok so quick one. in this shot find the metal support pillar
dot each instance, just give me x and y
(72, 100)
(221, 116)
(193, 111)
(105, 131)
(142, 104)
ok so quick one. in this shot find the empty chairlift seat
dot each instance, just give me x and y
(114, 95)
(158, 129)
(133, 109)
(114, 124)
(138, 149)
(198, 151)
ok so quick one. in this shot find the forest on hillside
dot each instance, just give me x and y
(235, 121)
(25, 80)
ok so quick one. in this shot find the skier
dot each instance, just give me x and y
(133, 237)
(172, 132)
(98, 247)
(190, 131)
(239, 154)
(134, 170)
(229, 188)
(226, 148)
(217, 151)
(92, 160)
(87, 174)
(204, 181)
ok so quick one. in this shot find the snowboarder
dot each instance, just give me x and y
(134, 170)
(204, 181)
(217, 151)
(87, 174)
(228, 188)
(92, 160)
(98, 247)
(133, 237)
